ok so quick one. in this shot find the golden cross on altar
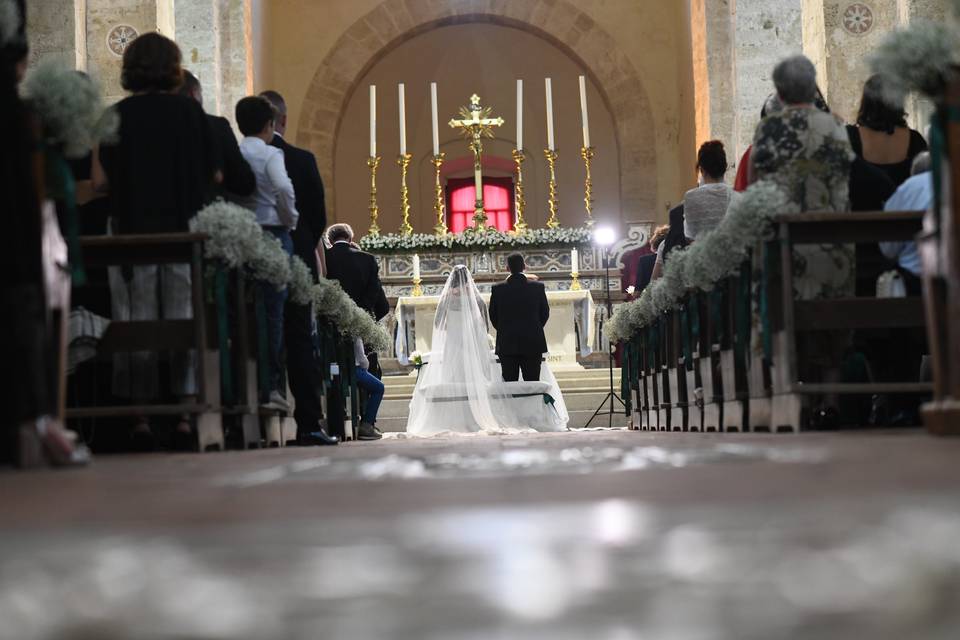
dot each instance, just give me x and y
(475, 123)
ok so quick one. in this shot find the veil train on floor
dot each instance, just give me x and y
(460, 389)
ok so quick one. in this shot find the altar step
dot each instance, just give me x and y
(583, 392)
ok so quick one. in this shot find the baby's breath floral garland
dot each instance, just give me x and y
(703, 264)
(918, 57)
(70, 108)
(490, 239)
(237, 241)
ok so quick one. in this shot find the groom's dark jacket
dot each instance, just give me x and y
(519, 310)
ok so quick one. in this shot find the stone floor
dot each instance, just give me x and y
(607, 535)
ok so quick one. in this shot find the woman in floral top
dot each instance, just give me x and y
(806, 151)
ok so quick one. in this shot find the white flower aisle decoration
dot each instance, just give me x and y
(332, 303)
(918, 57)
(237, 241)
(70, 108)
(234, 235)
(491, 239)
(271, 264)
(703, 264)
(301, 282)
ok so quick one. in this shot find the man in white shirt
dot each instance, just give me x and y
(274, 203)
(916, 194)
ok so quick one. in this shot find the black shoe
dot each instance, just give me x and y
(367, 431)
(317, 439)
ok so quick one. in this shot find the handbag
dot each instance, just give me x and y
(890, 284)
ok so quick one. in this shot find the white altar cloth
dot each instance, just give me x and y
(571, 314)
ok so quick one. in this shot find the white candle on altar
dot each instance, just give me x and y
(373, 121)
(574, 262)
(433, 110)
(583, 112)
(519, 115)
(403, 120)
(416, 267)
(549, 87)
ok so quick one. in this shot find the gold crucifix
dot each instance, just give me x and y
(475, 123)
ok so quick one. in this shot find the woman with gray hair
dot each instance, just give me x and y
(805, 150)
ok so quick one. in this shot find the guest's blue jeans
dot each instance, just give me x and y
(374, 388)
(273, 300)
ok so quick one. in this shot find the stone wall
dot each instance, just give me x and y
(52, 30)
(213, 35)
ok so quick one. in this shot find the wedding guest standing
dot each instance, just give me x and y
(236, 176)
(881, 136)
(299, 323)
(805, 151)
(274, 203)
(705, 206)
(359, 275)
(159, 174)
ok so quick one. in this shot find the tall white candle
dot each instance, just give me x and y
(519, 115)
(574, 262)
(433, 109)
(583, 112)
(373, 121)
(549, 87)
(403, 120)
(416, 267)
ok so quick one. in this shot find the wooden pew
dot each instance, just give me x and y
(158, 335)
(788, 316)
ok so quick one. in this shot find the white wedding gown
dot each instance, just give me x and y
(460, 388)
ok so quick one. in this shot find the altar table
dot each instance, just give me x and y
(571, 314)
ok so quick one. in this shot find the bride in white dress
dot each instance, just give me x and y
(460, 388)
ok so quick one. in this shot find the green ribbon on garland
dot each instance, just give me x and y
(63, 188)
(223, 335)
(263, 345)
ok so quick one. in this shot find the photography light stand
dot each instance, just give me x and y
(611, 395)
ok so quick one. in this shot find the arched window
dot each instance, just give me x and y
(497, 202)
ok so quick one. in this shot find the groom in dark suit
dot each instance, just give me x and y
(519, 311)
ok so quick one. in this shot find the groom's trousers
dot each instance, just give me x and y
(513, 365)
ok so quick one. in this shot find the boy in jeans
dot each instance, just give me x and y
(274, 204)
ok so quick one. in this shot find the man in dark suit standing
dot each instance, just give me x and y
(519, 311)
(305, 381)
(359, 275)
(356, 270)
(237, 177)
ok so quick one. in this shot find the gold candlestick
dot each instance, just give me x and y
(439, 208)
(587, 154)
(406, 228)
(373, 162)
(417, 289)
(551, 156)
(575, 281)
(520, 225)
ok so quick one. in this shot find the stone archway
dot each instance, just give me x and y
(557, 21)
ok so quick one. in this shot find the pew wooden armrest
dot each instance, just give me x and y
(858, 313)
(855, 227)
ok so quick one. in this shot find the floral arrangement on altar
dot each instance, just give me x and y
(703, 264)
(69, 105)
(237, 241)
(490, 239)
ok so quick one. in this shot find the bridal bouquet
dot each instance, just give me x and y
(417, 359)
